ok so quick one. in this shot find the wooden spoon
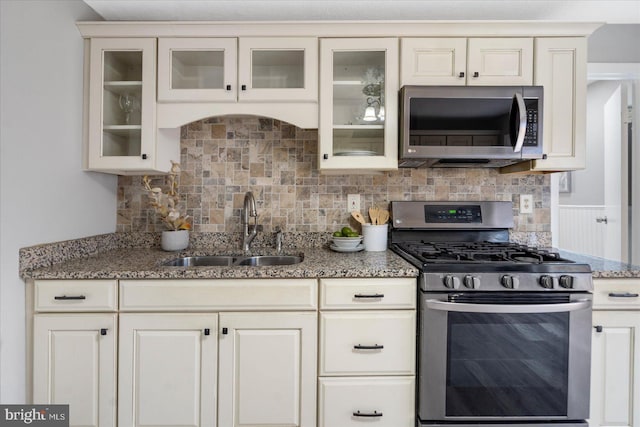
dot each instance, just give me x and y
(373, 214)
(383, 216)
(358, 217)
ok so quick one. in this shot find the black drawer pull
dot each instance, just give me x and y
(207, 331)
(69, 297)
(598, 328)
(368, 347)
(623, 295)
(367, 414)
(228, 87)
(243, 87)
(369, 296)
(461, 75)
(225, 331)
(476, 74)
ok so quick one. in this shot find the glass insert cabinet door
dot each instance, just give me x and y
(121, 102)
(197, 69)
(358, 105)
(230, 69)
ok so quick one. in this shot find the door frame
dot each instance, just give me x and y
(613, 71)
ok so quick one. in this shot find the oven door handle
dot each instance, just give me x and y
(508, 308)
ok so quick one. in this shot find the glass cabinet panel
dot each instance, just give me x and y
(197, 69)
(122, 107)
(277, 69)
(359, 81)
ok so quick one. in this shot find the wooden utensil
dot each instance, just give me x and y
(358, 217)
(383, 216)
(373, 214)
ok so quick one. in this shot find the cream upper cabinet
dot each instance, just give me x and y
(359, 86)
(460, 61)
(267, 369)
(561, 67)
(615, 359)
(231, 69)
(167, 369)
(122, 135)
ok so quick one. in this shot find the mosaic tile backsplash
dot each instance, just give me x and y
(224, 157)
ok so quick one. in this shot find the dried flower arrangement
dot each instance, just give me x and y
(166, 205)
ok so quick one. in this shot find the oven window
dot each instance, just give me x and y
(507, 364)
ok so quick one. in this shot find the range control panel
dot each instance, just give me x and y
(466, 214)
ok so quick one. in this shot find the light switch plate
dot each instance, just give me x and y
(526, 203)
(353, 202)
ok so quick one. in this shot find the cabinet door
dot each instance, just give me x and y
(74, 362)
(278, 69)
(615, 371)
(122, 85)
(561, 67)
(167, 370)
(358, 104)
(267, 369)
(500, 61)
(202, 69)
(433, 61)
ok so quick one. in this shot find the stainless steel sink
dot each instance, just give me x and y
(228, 260)
(201, 261)
(257, 261)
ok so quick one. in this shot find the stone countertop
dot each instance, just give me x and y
(604, 268)
(144, 263)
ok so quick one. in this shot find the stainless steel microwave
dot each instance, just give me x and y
(470, 126)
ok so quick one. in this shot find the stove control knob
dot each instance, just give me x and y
(451, 282)
(471, 282)
(546, 281)
(566, 282)
(510, 282)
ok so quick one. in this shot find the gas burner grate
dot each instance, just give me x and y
(478, 252)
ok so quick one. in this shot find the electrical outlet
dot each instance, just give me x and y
(353, 202)
(526, 203)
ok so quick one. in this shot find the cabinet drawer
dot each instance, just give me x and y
(361, 294)
(75, 295)
(345, 402)
(616, 294)
(367, 343)
(219, 295)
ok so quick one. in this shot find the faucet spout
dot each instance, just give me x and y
(249, 231)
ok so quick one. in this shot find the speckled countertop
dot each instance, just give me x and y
(137, 255)
(141, 263)
(604, 268)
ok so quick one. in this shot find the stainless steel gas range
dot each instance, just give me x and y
(504, 330)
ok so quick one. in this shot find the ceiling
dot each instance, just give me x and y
(612, 12)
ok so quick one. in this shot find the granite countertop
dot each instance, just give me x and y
(145, 263)
(137, 256)
(604, 268)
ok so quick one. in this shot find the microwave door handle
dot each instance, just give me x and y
(521, 122)
(508, 308)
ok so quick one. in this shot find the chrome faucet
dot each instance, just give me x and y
(249, 232)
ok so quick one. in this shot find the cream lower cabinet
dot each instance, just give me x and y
(367, 352)
(267, 369)
(615, 372)
(74, 341)
(167, 369)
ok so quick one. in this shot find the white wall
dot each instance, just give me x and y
(615, 43)
(44, 194)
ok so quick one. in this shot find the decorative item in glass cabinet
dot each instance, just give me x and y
(128, 104)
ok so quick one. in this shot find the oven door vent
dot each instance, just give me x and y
(510, 298)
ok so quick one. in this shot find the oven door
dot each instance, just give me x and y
(504, 356)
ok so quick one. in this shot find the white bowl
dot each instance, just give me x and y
(347, 242)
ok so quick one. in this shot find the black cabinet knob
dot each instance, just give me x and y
(476, 74)
(461, 74)
(103, 331)
(325, 156)
(144, 157)
(207, 331)
(244, 87)
(228, 87)
(225, 331)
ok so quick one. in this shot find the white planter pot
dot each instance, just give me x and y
(175, 240)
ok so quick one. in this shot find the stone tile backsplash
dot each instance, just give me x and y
(223, 157)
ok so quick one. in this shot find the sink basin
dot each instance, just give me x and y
(257, 261)
(200, 261)
(228, 260)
